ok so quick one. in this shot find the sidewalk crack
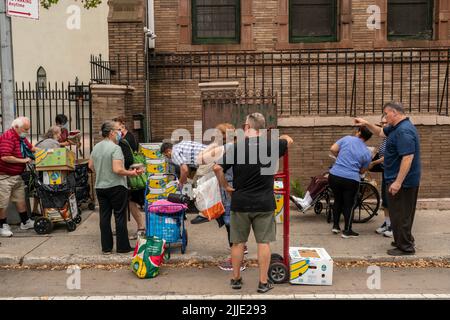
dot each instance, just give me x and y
(23, 257)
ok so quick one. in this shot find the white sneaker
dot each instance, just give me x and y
(382, 229)
(6, 226)
(28, 225)
(388, 233)
(4, 232)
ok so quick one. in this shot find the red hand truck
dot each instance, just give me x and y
(279, 265)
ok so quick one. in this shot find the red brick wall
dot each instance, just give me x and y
(126, 38)
(309, 155)
(176, 103)
(265, 27)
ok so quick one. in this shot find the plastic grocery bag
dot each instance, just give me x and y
(207, 197)
(149, 254)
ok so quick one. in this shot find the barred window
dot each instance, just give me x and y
(215, 21)
(410, 19)
(312, 20)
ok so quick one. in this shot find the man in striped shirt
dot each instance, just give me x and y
(183, 154)
(14, 151)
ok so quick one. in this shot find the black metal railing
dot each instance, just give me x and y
(41, 105)
(118, 70)
(312, 82)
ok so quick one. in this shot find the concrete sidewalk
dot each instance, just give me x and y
(208, 243)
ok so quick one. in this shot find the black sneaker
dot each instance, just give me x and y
(236, 284)
(125, 250)
(349, 234)
(199, 219)
(398, 252)
(264, 287)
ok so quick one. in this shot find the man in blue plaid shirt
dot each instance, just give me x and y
(183, 154)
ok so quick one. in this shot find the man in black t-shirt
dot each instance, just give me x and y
(254, 159)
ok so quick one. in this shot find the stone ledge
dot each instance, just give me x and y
(111, 89)
(346, 121)
(218, 86)
(433, 204)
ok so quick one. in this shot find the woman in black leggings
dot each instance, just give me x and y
(353, 156)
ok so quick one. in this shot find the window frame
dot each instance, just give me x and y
(216, 40)
(40, 77)
(315, 39)
(397, 37)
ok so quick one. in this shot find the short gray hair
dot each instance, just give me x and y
(256, 121)
(19, 122)
(51, 132)
(107, 127)
(397, 106)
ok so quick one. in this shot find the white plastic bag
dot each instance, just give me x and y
(207, 197)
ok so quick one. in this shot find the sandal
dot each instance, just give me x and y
(139, 233)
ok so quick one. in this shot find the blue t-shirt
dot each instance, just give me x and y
(353, 155)
(402, 140)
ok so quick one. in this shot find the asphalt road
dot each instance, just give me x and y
(213, 282)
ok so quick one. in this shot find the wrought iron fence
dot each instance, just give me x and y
(41, 105)
(118, 70)
(337, 82)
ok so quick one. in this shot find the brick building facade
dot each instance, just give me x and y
(319, 86)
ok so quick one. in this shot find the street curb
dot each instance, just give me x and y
(327, 296)
(6, 259)
(121, 259)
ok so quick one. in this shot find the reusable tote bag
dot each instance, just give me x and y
(207, 197)
(149, 254)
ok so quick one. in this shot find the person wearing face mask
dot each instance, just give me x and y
(129, 145)
(15, 153)
(62, 122)
(107, 161)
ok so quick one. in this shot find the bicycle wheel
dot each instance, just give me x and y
(329, 204)
(367, 203)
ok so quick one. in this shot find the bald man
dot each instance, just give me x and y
(13, 160)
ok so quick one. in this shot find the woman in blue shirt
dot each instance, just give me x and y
(353, 157)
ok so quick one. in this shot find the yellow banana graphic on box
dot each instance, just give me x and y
(40, 155)
(279, 203)
(299, 268)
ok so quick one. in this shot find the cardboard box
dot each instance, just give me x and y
(279, 200)
(158, 181)
(161, 193)
(151, 150)
(156, 166)
(312, 266)
(55, 159)
(54, 177)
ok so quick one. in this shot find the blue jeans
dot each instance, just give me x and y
(226, 201)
